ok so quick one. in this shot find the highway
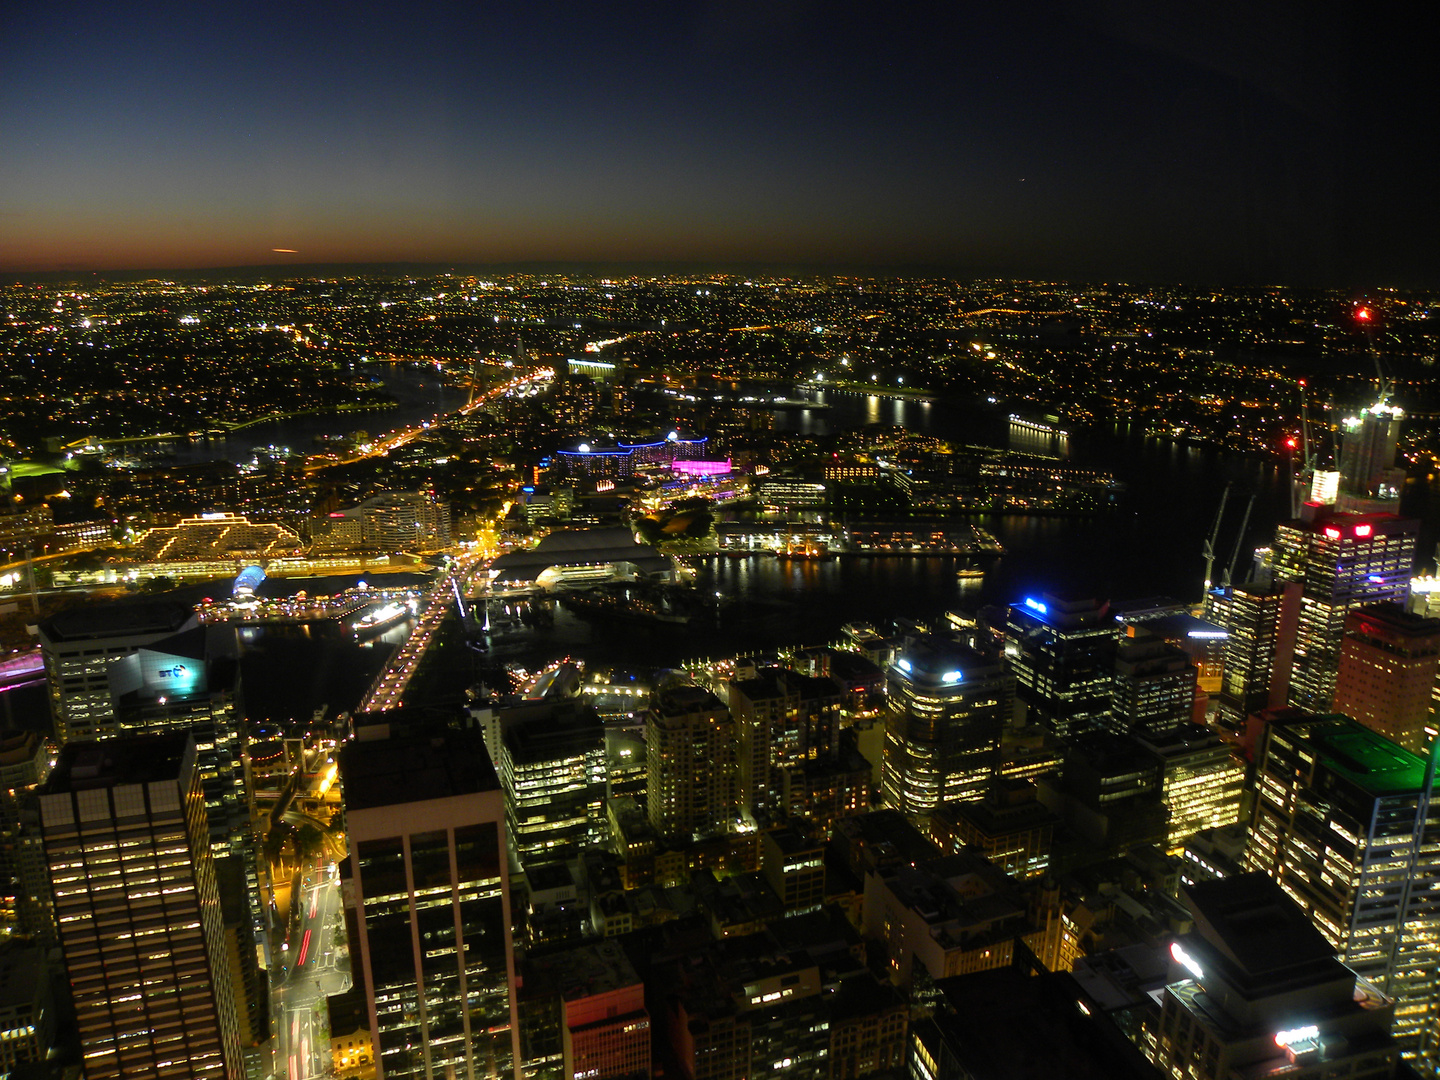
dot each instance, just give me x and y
(402, 436)
(312, 969)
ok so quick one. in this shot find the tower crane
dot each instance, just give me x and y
(1229, 572)
(1209, 549)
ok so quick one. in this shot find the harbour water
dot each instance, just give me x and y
(1149, 545)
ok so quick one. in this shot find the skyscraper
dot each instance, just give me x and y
(1369, 480)
(137, 909)
(692, 784)
(1261, 620)
(1345, 824)
(427, 890)
(1388, 664)
(783, 720)
(1255, 991)
(1063, 656)
(1342, 561)
(948, 705)
(78, 647)
(1154, 689)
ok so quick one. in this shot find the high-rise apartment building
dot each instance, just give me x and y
(947, 707)
(1344, 823)
(693, 782)
(137, 909)
(1343, 561)
(1388, 665)
(427, 892)
(783, 721)
(1063, 656)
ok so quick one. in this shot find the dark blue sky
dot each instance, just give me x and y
(1120, 138)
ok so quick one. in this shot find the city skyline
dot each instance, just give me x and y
(1102, 141)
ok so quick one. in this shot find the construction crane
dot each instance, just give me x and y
(1305, 467)
(1209, 549)
(1229, 572)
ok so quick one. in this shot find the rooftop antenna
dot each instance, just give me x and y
(1209, 549)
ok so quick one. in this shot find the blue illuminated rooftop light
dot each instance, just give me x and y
(903, 665)
(950, 677)
(1036, 605)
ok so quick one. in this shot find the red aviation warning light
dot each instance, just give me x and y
(1363, 314)
(1290, 443)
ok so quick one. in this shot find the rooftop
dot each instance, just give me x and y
(1362, 756)
(396, 771)
(117, 620)
(1251, 921)
(132, 759)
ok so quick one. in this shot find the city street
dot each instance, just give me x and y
(313, 969)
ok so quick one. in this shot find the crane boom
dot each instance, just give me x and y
(1209, 549)
(1229, 572)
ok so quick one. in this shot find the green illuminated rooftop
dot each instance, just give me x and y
(1370, 760)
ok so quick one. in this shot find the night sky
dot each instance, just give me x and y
(1131, 139)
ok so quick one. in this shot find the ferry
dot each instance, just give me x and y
(379, 619)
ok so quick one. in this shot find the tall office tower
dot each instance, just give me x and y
(1388, 665)
(1063, 655)
(427, 893)
(138, 912)
(1369, 481)
(554, 774)
(1202, 781)
(24, 765)
(78, 646)
(783, 720)
(1261, 620)
(1345, 824)
(1254, 991)
(189, 682)
(1154, 689)
(1342, 561)
(693, 784)
(948, 705)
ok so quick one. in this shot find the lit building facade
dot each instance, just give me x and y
(78, 647)
(1344, 823)
(947, 708)
(1261, 620)
(1202, 782)
(1388, 665)
(692, 785)
(1154, 687)
(1343, 561)
(1063, 656)
(1255, 991)
(783, 721)
(555, 779)
(138, 910)
(427, 892)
